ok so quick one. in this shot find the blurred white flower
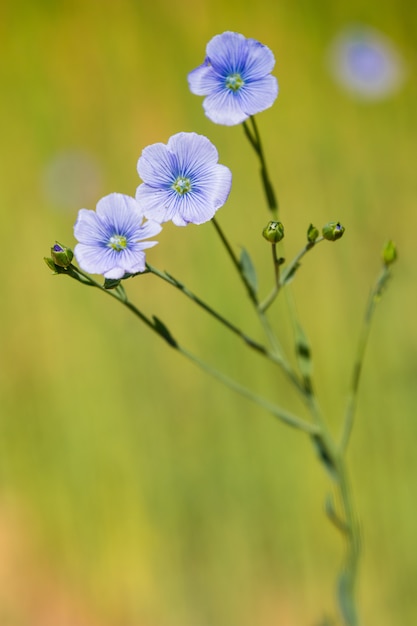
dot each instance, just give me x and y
(366, 63)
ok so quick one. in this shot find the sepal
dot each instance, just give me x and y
(312, 233)
(111, 283)
(49, 262)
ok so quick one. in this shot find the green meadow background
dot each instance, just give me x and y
(134, 491)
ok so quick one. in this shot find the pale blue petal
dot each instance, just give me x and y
(155, 203)
(222, 187)
(93, 259)
(155, 165)
(203, 80)
(149, 229)
(88, 228)
(119, 213)
(224, 108)
(258, 96)
(260, 61)
(227, 52)
(192, 151)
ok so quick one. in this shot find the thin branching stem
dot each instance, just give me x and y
(284, 416)
(278, 354)
(349, 574)
(158, 327)
(281, 278)
(359, 359)
(272, 356)
(235, 261)
(330, 455)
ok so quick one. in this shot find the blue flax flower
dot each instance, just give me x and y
(110, 238)
(182, 181)
(235, 78)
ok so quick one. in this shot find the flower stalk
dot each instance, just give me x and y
(183, 182)
(254, 138)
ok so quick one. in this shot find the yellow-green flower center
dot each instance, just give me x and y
(182, 185)
(234, 82)
(118, 242)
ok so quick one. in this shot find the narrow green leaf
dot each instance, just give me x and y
(303, 352)
(163, 331)
(248, 270)
(325, 455)
(288, 275)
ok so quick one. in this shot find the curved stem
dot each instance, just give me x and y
(293, 266)
(360, 354)
(277, 263)
(346, 521)
(287, 274)
(283, 415)
(157, 326)
(349, 573)
(278, 354)
(255, 140)
(272, 356)
(234, 260)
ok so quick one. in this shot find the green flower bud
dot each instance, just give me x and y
(61, 255)
(389, 253)
(312, 233)
(333, 231)
(273, 232)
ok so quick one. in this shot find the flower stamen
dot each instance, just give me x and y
(181, 185)
(117, 242)
(234, 82)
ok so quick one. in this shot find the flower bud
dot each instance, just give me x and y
(333, 231)
(273, 232)
(389, 253)
(312, 233)
(61, 255)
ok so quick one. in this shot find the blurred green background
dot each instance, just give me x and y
(135, 491)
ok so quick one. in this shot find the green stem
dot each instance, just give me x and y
(234, 260)
(277, 264)
(328, 454)
(278, 354)
(293, 266)
(155, 325)
(248, 340)
(346, 521)
(254, 138)
(287, 274)
(349, 574)
(360, 354)
(284, 416)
